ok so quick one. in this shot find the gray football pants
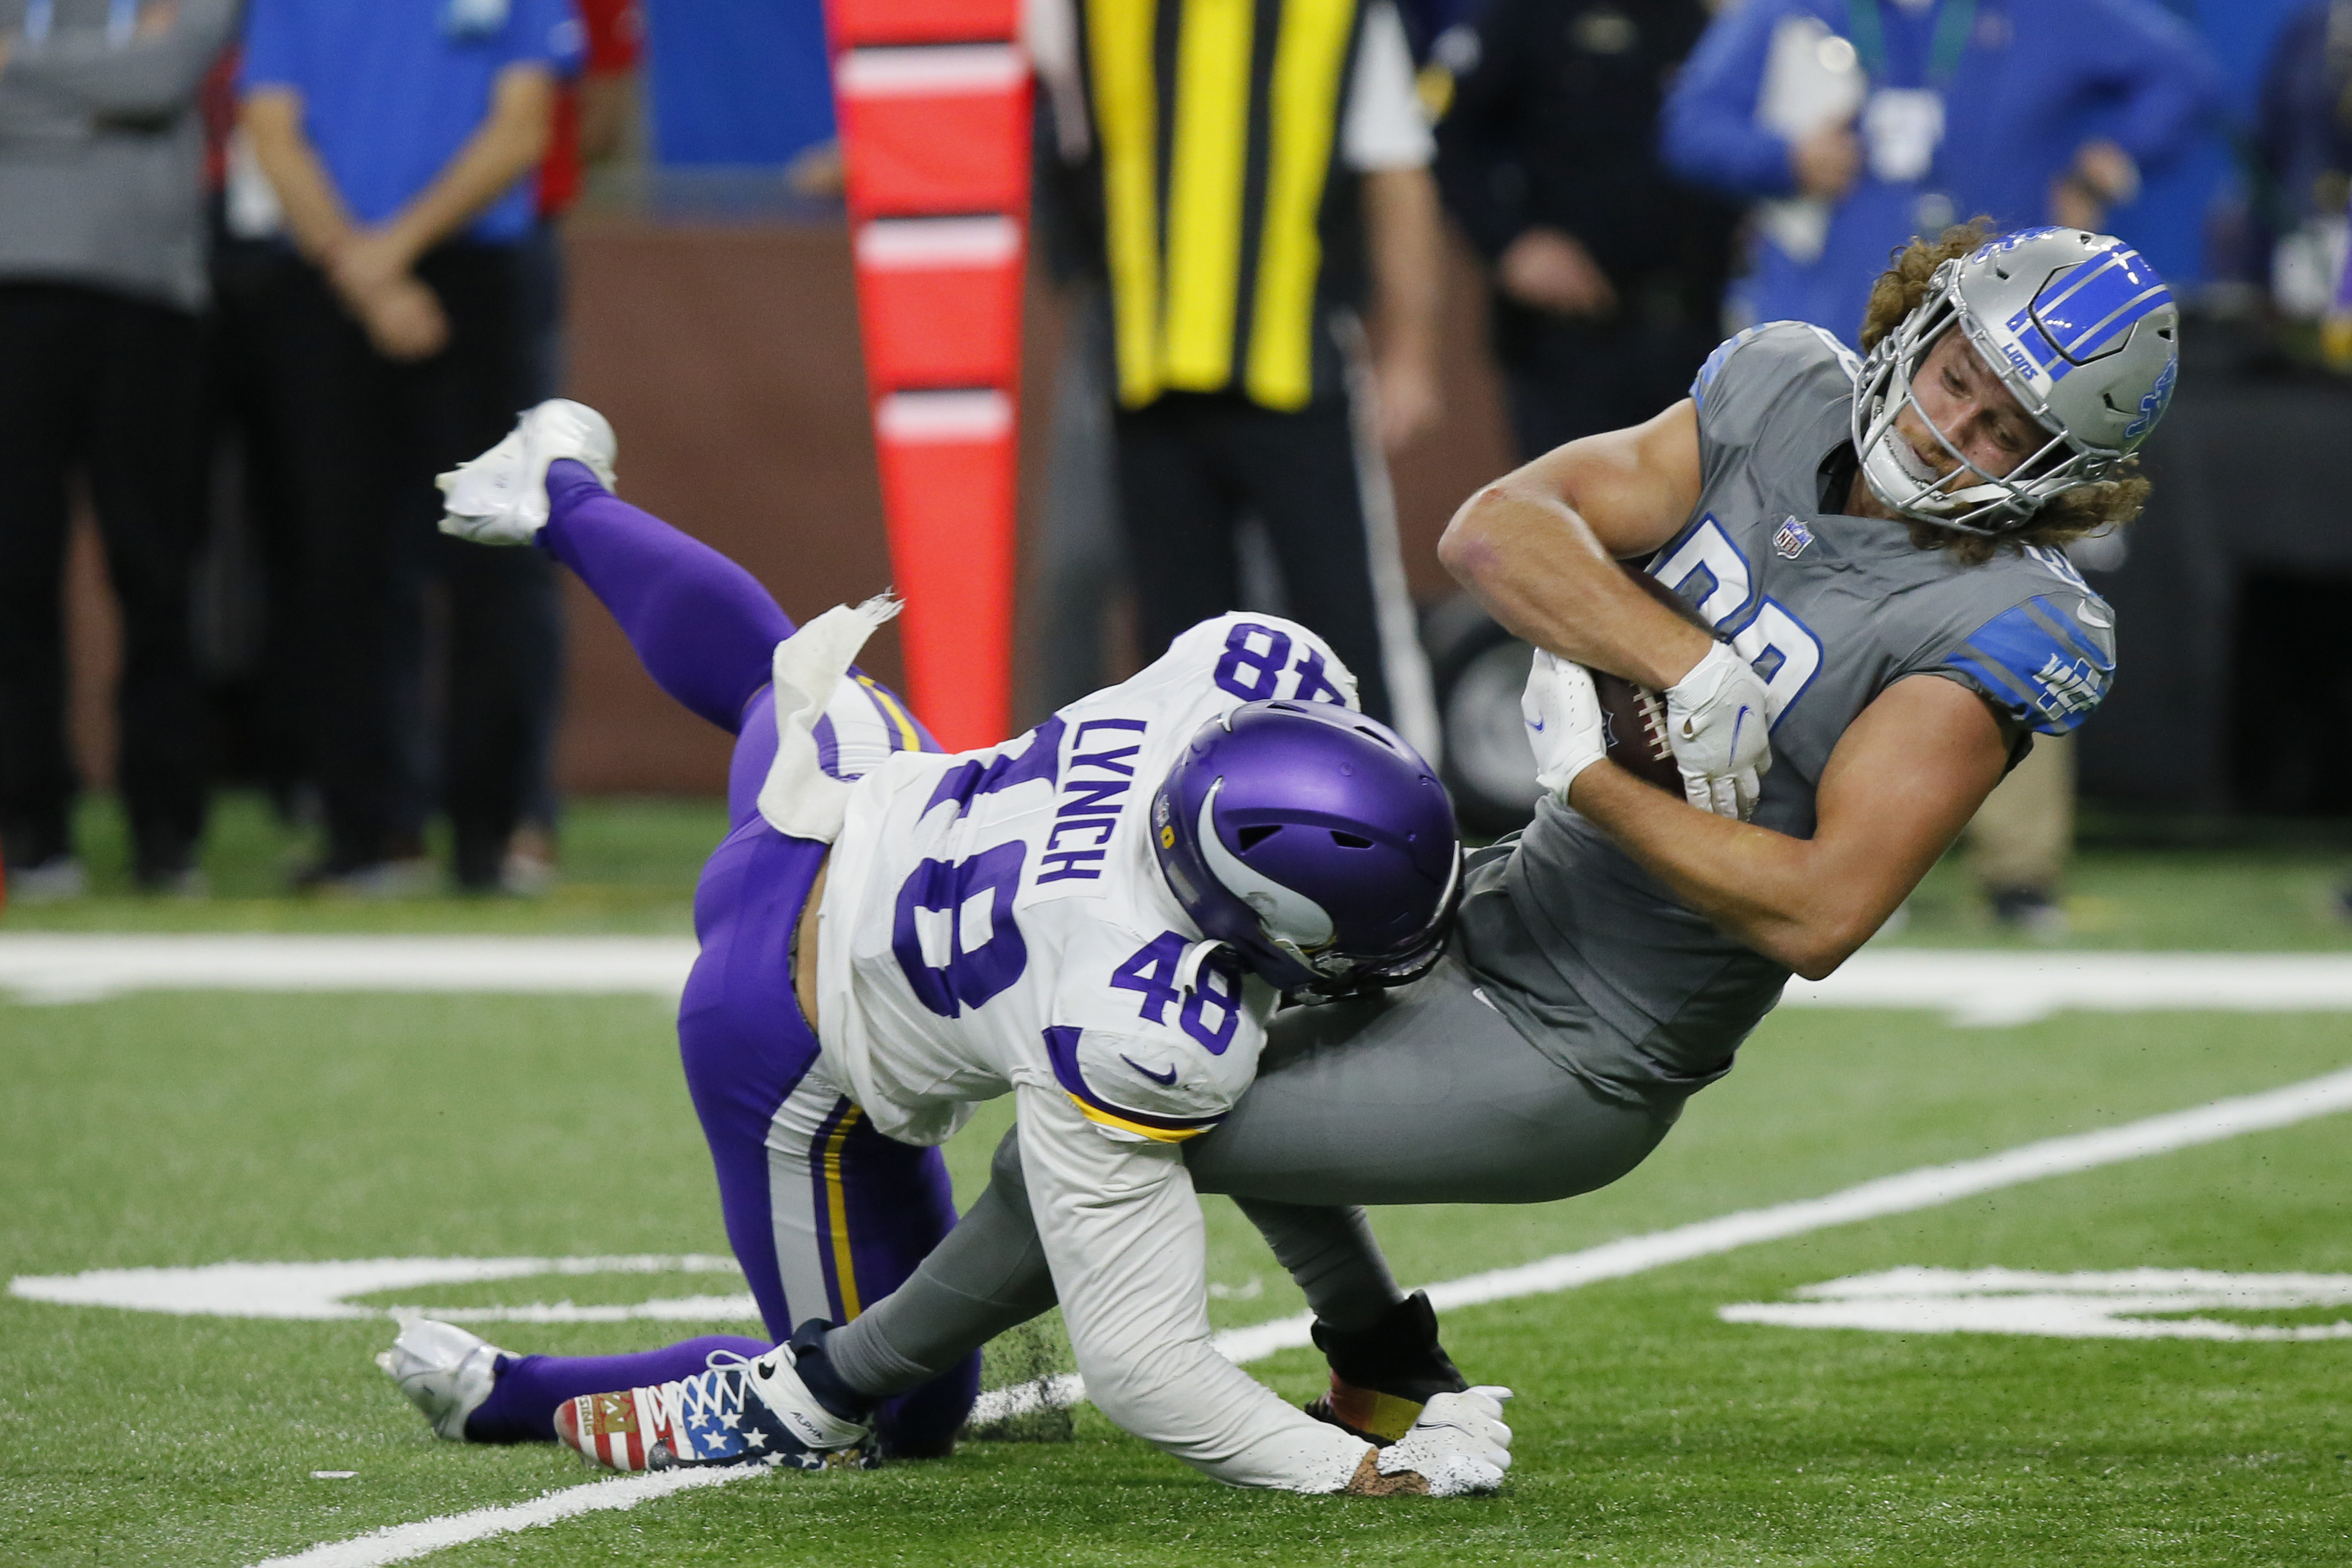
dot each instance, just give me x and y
(1423, 1094)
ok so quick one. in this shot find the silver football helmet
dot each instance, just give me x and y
(2078, 327)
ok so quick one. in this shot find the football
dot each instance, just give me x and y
(1634, 715)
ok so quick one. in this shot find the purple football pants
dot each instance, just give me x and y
(825, 1215)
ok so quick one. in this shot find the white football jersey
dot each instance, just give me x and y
(996, 921)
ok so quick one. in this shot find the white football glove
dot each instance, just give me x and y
(1564, 721)
(1459, 1445)
(1723, 741)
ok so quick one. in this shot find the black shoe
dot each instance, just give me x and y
(1382, 1375)
(2030, 910)
(56, 880)
(823, 1383)
(182, 881)
(377, 879)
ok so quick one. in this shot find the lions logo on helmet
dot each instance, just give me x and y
(2081, 331)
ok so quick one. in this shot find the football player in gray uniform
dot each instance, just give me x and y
(1877, 547)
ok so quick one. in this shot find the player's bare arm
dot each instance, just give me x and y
(1540, 546)
(1911, 770)
(1905, 780)
(1908, 774)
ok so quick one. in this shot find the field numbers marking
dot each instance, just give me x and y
(1927, 1187)
(2130, 1303)
(317, 1292)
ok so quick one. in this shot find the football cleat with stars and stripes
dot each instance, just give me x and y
(736, 1411)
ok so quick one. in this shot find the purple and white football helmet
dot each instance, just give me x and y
(1313, 840)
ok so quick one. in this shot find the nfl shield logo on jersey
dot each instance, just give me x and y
(1792, 539)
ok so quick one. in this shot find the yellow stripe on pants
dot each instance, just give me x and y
(844, 1263)
(908, 740)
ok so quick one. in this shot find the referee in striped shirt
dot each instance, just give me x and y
(1251, 176)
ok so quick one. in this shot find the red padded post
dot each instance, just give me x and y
(934, 111)
(940, 301)
(857, 21)
(928, 131)
(949, 463)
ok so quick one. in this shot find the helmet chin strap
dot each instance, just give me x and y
(1291, 919)
(1891, 479)
(1887, 458)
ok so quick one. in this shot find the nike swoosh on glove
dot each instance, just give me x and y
(1717, 723)
(1459, 1445)
(1564, 723)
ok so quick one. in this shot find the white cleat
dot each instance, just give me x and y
(501, 497)
(446, 1372)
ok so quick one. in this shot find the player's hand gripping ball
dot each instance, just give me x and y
(1565, 726)
(1707, 737)
(1722, 741)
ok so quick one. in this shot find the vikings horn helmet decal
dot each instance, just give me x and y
(1314, 841)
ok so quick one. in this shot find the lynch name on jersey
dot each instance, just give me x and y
(1090, 797)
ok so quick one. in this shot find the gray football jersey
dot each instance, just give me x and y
(1589, 955)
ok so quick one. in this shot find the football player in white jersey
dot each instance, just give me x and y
(1098, 918)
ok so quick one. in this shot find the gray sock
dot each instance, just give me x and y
(927, 1326)
(1331, 1254)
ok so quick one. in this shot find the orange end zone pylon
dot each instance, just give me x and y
(934, 114)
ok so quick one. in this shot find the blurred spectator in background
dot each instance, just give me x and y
(398, 139)
(2303, 149)
(1608, 273)
(2017, 846)
(101, 280)
(1234, 208)
(1859, 123)
(594, 114)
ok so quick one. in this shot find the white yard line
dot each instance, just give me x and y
(42, 967)
(1991, 987)
(1988, 987)
(399, 1542)
(1927, 1187)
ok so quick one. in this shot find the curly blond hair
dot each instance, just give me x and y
(2060, 520)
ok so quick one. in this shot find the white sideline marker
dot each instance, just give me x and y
(41, 968)
(1926, 1188)
(1976, 988)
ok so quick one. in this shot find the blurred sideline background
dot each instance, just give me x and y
(710, 312)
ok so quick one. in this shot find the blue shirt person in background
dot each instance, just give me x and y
(2029, 111)
(400, 140)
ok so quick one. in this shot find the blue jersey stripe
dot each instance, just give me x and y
(2030, 662)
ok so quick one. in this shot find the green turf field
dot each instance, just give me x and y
(162, 1130)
